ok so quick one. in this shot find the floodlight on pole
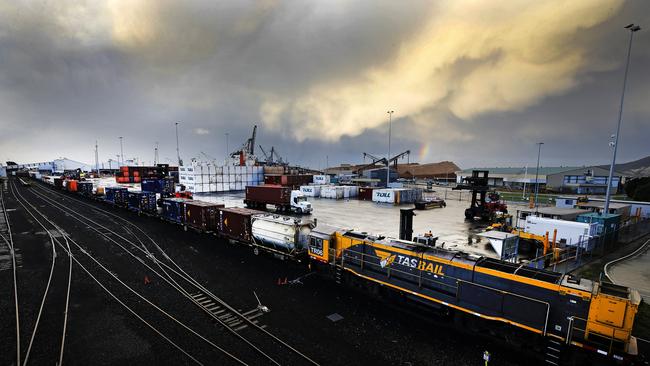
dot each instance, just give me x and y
(390, 120)
(633, 29)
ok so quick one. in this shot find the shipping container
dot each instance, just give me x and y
(259, 196)
(163, 186)
(334, 192)
(311, 191)
(235, 223)
(607, 225)
(365, 193)
(321, 179)
(173, 209)
(293, 181)
(117, 195)
(202, 215)
(58, 182)
(142, 202)
(85, 188)
(71, 185)
(396, 196)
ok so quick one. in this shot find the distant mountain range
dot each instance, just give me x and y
(636, 168)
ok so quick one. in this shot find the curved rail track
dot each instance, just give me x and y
(104, 286)
(10, 243)
(236, 322)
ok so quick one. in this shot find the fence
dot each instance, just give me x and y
(572, 256)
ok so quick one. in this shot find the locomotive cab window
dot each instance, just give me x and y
(316, 243)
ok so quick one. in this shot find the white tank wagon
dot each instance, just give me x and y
(284, 235)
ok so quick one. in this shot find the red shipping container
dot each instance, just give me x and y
(235, 223)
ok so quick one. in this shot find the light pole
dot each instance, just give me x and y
(539, 152)
(632, 28)
(178, 153)
(227, 147)
(121, 151)
(390, 120)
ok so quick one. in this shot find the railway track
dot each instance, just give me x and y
(7, 237)
(244, 325)
(52, 315)
(81, 252)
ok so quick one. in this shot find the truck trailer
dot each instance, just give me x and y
(283, 198)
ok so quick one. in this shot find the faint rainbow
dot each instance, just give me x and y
(424, 151)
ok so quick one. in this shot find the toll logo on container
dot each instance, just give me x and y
(383, 194)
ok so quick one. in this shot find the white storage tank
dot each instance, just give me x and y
(283, 233)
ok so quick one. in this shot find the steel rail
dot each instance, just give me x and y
(135, 292)
(10, 243)
(186, 277)
(169, 280)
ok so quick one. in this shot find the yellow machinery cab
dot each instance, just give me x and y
(611, 315)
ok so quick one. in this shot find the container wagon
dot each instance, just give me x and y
(202, 216)
(85, 188)
(173, 209)
(142, 202)
(117, 196)
(282, 235)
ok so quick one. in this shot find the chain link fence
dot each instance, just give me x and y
(572, 256)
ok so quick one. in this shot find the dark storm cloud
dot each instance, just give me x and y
(73, 73)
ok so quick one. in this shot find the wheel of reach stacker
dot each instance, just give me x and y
(469, 214)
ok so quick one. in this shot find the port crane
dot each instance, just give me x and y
(247, 150)
(270, 157)
(383, 161)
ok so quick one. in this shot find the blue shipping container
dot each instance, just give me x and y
(117, 195)
(162, 186)
(142, 202)
(173, 209)
(85, 188)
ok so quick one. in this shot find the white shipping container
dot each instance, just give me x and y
(568, 232)
(384, 195)
(334, 192)
(321, 179)
(311, 191)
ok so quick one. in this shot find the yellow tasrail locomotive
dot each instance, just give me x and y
(592, 315)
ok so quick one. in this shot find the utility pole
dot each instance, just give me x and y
(227, 147)
(523, 193)
(155, 155)
(633, 29)
(539, 152)
(121, 151)
(96, 159)
(390, 120)
(178, 152)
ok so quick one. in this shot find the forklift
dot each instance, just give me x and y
(485, 204)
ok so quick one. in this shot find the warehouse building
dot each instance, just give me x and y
(444, 171)
(54, 166)
(515, 178)
(586, 180)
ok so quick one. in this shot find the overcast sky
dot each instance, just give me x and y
(474, 82)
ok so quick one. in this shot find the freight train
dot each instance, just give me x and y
(564, 310)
